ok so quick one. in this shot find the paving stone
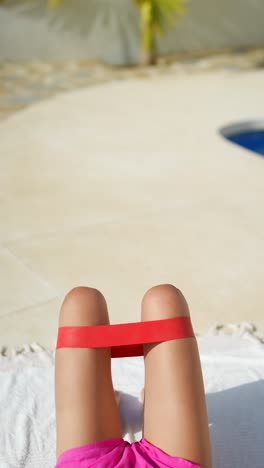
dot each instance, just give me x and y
(24, 83)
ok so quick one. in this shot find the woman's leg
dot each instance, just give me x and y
(86, 410)
(175, 413)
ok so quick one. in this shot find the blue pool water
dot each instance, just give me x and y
(250, 139)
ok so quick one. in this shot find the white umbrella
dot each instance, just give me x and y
(81, 15)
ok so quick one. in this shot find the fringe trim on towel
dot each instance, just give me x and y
(246, 330)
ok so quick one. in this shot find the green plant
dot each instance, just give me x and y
(55, 3)
(156, 17)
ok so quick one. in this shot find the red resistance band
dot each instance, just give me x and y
(125, 339)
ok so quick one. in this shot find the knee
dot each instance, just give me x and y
(163, 301)
(83, 306)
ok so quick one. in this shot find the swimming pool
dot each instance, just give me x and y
(250, 135)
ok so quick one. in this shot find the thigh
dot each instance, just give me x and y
(86, 409)
(175, 413)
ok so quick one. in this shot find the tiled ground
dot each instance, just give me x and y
(126, 185)
(24, 83)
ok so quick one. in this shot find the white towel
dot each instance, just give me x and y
(233, 370)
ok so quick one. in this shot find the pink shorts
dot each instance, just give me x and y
(118, 453)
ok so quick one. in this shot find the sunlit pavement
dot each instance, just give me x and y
(126, 185)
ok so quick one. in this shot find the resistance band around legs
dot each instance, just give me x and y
(125, 339)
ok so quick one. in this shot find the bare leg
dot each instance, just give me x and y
(86, 409)
(175, 413)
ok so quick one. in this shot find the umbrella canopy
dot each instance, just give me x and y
(80, 16)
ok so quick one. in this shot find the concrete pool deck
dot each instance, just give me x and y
(126, 185)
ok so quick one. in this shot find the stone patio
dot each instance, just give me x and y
(126, 184)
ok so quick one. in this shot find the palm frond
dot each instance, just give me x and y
(55, 3)
(166, 12)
